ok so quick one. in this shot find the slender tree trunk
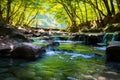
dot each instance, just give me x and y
(78, 3)
(21, 16)
(15, 11)
(107, 7)
(32, 18)
(112, 7)
(100, 15)
(8, 10)
(81, 14)
(28, 17)
(118, 4)
(0, 12)
(86, 12)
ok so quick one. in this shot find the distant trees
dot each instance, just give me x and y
(19, 12)
(78, 14)
(103, 12)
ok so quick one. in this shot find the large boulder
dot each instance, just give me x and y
(27, 51)
(113, 51)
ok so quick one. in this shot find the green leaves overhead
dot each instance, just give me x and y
(71, 12)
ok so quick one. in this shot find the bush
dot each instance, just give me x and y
(93, 30)
(112, 27)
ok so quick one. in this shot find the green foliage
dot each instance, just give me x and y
(93, 30)
(112, 27)
(80, 48)
(71, 12)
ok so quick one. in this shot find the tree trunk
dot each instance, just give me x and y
(32, 18)
(112, 7)
(0, 13)
(1, 17)
(8, 10)
(78, 3)
(118, 4)
(86, 11)
(21, 16)
(107, 7)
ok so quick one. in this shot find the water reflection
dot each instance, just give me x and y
(60, 64)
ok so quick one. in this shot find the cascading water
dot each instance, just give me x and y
(109, 37)
(57, 64)
(114, 37)
(106, 38)
(72, 54)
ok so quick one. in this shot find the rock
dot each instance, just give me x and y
(5, 48)
(54, 44)
(118, 36)
(5, 52)
(92, 40)
(113, 51)
(13, 33)
(27, 51)
(46, 38)
(19, 37)
(79, 37)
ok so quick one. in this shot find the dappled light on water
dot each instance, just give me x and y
(68, 61)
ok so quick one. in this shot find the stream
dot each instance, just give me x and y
(59, 63)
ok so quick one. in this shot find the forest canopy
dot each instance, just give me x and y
(74, 15)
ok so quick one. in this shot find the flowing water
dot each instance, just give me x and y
(69, 61)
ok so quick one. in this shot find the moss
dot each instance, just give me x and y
(80, 48)
(61, 66)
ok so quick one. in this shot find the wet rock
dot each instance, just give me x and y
(5, 47)
(5, 52)
(118, 36)
(113, 51)
(92, 40)
(46, 38)
(54, 44)
(80, 37)
(27, 51)
(36, 35)
(13, 33)
(19, 37)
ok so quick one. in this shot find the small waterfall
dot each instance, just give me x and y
(114, 37)
(50, 51)
(104, 38)
(109, 37)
